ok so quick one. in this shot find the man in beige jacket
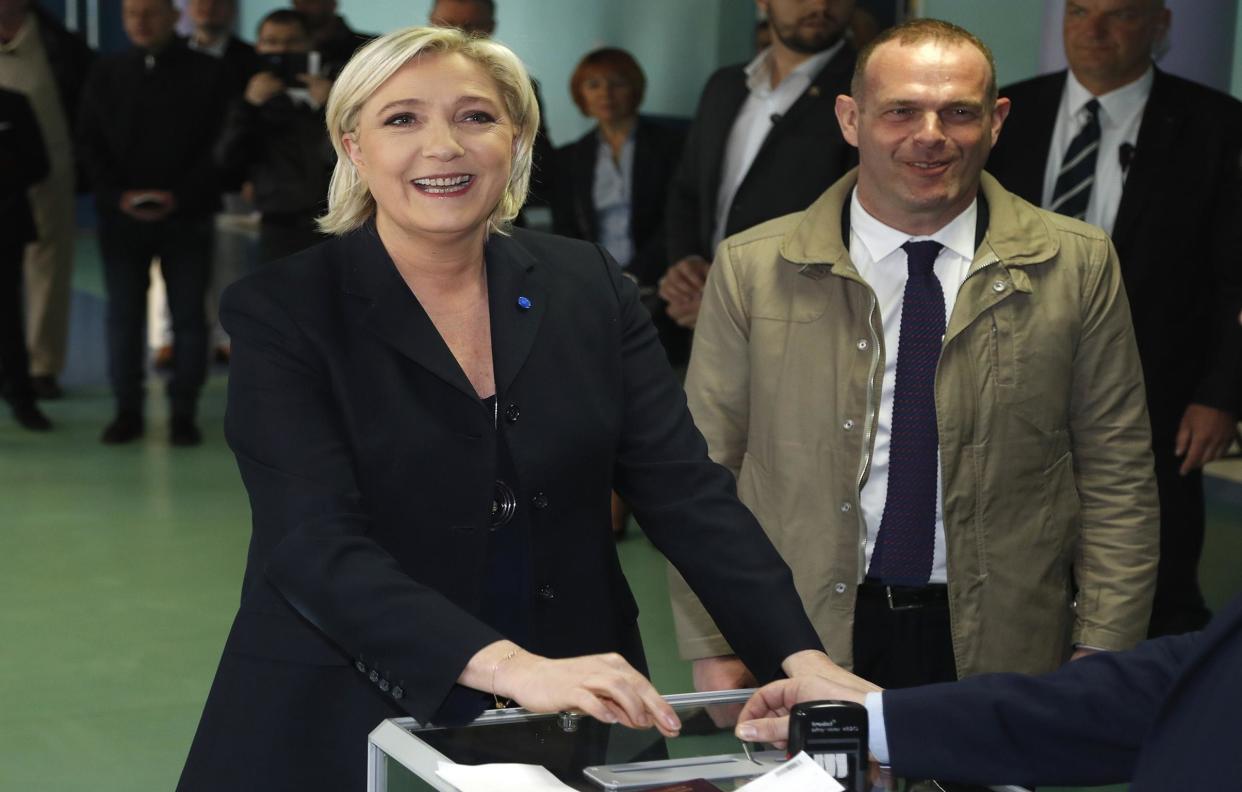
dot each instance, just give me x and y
(1005, 473)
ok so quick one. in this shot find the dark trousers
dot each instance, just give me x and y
(183, 245)
(904, 647)
(14, 357)
(1179, 605)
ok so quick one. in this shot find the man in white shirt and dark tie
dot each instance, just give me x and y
(929, 391)
(1153, 160)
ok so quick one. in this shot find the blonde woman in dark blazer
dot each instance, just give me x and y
(429, 412)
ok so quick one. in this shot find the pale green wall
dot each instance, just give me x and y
(678, 42)
(1237, 57)
(1011, 28)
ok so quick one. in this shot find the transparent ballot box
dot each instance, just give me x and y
(587, 755)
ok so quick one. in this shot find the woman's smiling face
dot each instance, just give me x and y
(434, 145)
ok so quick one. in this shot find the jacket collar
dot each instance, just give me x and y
(389, 310)
(1017, 234)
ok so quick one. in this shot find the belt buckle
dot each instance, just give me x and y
(888, 590)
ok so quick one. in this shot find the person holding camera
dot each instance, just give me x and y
(274, 137)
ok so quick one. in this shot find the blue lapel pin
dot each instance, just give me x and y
(524, 303)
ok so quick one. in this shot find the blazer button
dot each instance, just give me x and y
(539, 500)
(398, 693)
(546, 592)
(504, 504)
(373, 676)
(512, 413)
(361, 666)
(383, 685)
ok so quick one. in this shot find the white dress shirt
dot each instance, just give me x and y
(1121, 113)
(879, 258)
(754, 121)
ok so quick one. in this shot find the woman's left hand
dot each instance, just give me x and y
(604, 686)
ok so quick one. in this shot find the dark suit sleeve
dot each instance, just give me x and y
(651, 258)
(199, 182)
(1082, 724)
(94, 150)
(688, 504)
(311, 521)
(685, 203)
(1221, 384)
(239, 141)
(26, 162)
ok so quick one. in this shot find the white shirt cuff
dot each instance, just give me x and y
(877, 737)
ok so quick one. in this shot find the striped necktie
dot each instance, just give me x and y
(1072, 192)
(907, 538)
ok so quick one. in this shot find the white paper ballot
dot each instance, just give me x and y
(799, 774)
(501, 778)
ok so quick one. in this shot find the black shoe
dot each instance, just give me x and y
(125, 428)
(184, 432)
(46, 387)
(30, 417)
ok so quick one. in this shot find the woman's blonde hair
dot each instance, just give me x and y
(350, 203)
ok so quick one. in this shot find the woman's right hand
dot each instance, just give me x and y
(604, 686)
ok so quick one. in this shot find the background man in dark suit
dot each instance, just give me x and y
(1166, 185)
(764, 141)
(149, 119)
(1162, 716)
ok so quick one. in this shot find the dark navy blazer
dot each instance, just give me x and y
(370, 463)
(1164, 715)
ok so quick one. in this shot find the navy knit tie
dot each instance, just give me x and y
(907, 537)
(1072, 192)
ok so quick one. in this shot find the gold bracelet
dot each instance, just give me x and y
(499, 704)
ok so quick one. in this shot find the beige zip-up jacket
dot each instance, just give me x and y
(1045, 445)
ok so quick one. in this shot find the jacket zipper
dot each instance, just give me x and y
(868, 427)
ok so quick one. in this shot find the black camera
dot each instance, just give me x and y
(288, 65)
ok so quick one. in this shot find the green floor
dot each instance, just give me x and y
(119, 573)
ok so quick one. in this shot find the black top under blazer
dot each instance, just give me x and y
(370, 463)
(802, 155)
(1178, 233)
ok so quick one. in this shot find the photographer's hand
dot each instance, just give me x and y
(262, 87)
(319, 87)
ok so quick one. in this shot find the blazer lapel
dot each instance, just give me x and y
(512, 276)
(387, 308)
(1155, 145)
(819, 91)
(583, 187)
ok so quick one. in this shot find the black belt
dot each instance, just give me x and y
(906, 597)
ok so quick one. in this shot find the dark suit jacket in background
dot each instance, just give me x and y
(153, 129)
(70, 60)
(23, 163)
(1164, 715)
(370, 463)
(657, 150)
(1178, 233)
(801, 157)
